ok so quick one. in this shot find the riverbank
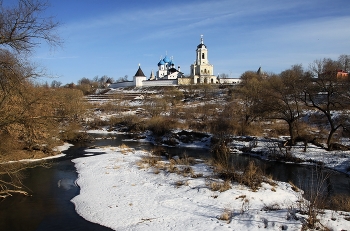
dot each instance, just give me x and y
(266, 149)
(40, 157)
(118, 192)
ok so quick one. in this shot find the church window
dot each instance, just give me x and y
(203, 57)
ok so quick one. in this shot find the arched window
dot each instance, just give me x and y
(203, 56)
(212, 80)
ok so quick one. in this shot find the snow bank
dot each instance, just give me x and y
(116, 193)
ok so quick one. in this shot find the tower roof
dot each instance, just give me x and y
(166, 59)
(201, 45)
(139, 72)
(161, 62)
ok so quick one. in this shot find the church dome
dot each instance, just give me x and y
(201, 46)
(166, 59)
(161, 62)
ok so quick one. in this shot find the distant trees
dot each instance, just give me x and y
(89, 86)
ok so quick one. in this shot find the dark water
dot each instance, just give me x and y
(49, 206)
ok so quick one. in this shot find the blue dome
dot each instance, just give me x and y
(161, 62)
(166, 59)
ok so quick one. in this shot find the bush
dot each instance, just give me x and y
(160, 125)
(221, 159)
(252, 176)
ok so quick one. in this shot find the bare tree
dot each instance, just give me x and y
(327, 93)
(249, 93)
(344, 62)
(55, 84)
(282, 98)
(22, 27)
(27, 116)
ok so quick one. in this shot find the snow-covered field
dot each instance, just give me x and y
(116, 192)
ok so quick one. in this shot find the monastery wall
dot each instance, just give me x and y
(122, 84)
(153, 83)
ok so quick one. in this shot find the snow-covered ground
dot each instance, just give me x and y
(119, 193)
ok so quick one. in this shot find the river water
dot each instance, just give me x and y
(51, 189)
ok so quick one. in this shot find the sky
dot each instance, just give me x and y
(112, 37)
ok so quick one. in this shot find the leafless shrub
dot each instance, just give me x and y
(221, 159)
(252, 176)
(315, 198)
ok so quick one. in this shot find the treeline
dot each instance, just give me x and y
(314, 103)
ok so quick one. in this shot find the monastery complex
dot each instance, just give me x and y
(201, 72)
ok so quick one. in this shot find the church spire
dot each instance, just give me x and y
(202, 42)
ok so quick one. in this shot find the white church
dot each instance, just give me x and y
(202, 72)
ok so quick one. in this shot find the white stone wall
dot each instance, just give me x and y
(122, 84)
(230, 81)
(159, 83)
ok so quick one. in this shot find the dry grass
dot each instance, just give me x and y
(252, 176)
(161, 125)
(340, 202)
(148, 161)
(294, 187)
(185, 160)
(226, 215)
(219, 186)
(124, 149)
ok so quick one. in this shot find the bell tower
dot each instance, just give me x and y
(202, 70)
(202, 53)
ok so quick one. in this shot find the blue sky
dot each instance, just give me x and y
(111, 37)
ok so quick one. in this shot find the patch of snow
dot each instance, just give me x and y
(116, 193)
